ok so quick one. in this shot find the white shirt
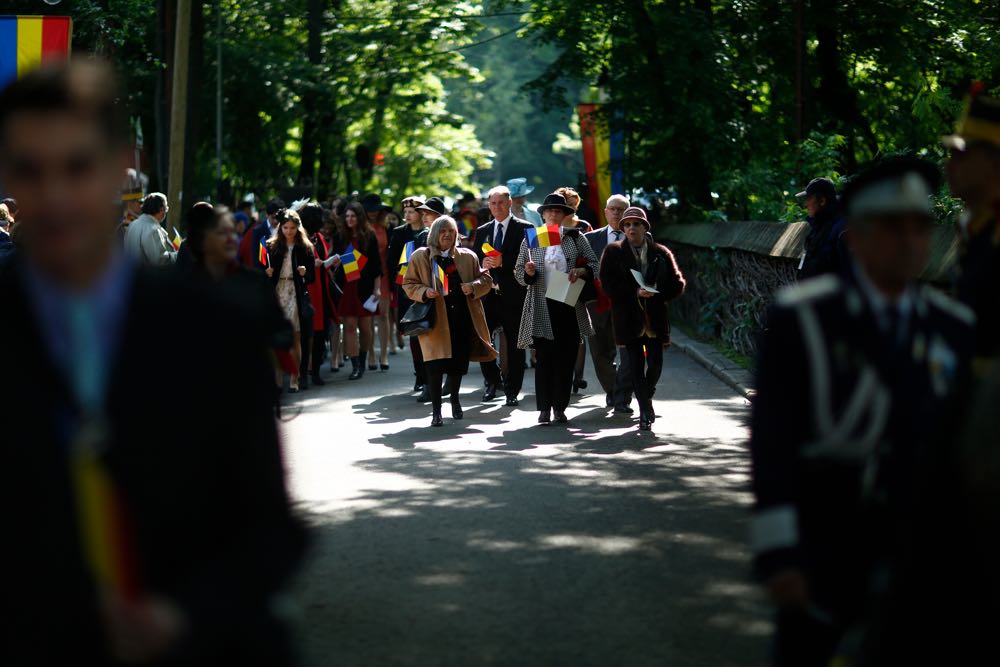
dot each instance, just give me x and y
(555, 260)
(502, 224)
(611, 235)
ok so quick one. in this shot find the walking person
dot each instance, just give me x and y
(641, 322)
(504, 307)
(358, 284)
(551, 327)
(584, 227)
(401, 237)
(146, 240)
(376, 212)
(825, 247)
(459, 333)
(291, 266)
(324, 311)
(616, 382)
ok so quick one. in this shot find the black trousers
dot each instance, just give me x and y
(434, 379)
(418, 360)
(305, 342)
(506, 316)
(555, 360)
(646, 367)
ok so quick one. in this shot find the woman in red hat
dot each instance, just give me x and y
(639, 303)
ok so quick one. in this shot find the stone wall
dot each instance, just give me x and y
(734, 268)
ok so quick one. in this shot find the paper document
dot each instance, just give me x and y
(642, 283)
(559, 288)
(371, 305)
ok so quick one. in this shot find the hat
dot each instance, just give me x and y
(373, 204)
(819, 187)
(895, 186)
(980, 122)
(275, 205)
(240, 216)
(519, 187)
(555, 201)
(133, 188)
(433, 205)
(416, 201)
(636, 213)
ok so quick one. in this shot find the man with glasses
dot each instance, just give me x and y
(617, 384)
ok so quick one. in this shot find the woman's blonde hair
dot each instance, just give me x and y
(4, 214)
(571, 196)
(433, 236)
(288, 215)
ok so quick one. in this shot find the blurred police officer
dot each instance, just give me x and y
(974, 176)
(854, 374)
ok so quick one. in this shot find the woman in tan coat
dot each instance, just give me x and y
(459, 334)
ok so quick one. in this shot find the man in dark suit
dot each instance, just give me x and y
(503, 308)
(617, 383)
(145, 508)
(856, 374)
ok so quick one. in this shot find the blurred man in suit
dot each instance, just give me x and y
(503, 308)
(143, 534)
(616, 383)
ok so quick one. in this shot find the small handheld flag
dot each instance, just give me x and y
(404, 257)
(262, 255)
(401, 276)
(177, 240)
(442, 278)
(490, 251)
(544, 236)
(353, 262)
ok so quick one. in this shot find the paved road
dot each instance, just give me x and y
(494, 541)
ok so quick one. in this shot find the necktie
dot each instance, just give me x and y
(498, 241)
(617, 235)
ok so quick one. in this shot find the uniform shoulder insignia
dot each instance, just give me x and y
(809, 290)
(954, 308)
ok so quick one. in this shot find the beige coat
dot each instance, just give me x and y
(436, 343)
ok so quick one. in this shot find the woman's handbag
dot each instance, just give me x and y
(419, 319)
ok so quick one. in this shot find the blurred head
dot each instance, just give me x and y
(242, 222)
(499, 202)
(312, 218)
(62, 156)
(410, 213)
(273, 207)
(431, 210)
(4, 216)
(974, 172)
(391, 219)
(635, 224)
(890, 219)
(356, 221)
(212, 235)
(443, 233)
(155, 204)
(290, 230)
(555, 209)
(614, 209)
(11, 205)
(820, 193)
(571, 196)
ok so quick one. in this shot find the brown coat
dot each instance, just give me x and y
(436, 343)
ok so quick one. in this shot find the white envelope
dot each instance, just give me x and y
(371, 305)
(559, 288)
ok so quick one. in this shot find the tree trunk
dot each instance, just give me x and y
(310, 99)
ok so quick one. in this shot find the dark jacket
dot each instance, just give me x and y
(301, 256)
(508, 304)
(197, 463)
(400, 237)
(629, 311)
(369, 274)
(978, 281)
(825, 246)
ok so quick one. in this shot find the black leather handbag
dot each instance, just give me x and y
(419, 319)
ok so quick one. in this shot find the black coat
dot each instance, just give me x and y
(301, 256)
(509, 303)
(400, 237)
(830, 482)
(369, 274)
(197, 462)
(629, 312)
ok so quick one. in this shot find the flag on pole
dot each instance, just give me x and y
(262, 256)
(177, 240)
(490, 251)
(28, 41)
(544, 236)
(603, 155)
(404, 257)
(442, 278)
(353, 262)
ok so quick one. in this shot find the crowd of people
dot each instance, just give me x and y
(873, 438)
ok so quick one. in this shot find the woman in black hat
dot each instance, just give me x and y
(553, 328)
(639, 314)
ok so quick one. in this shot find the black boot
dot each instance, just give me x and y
(456, 402)
(317, 379)
(436, 419)
(356, 368)
(362, 359)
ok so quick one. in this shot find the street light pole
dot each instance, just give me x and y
(218, 102)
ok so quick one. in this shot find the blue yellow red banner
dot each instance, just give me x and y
(603, 153)
(28, 41)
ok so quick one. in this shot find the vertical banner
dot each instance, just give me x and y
(603, 153)
(28, 41)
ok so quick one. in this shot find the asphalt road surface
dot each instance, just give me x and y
(495, 541)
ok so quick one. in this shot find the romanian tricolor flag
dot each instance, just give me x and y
(401, 276)
(353, 262)
(28, 41)
(105, 526)
(603, 155)
(490, 251)
(442, 278)
(177, 240)
(404, 257)
(544, 236)
(467, 222)
(262, 255)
